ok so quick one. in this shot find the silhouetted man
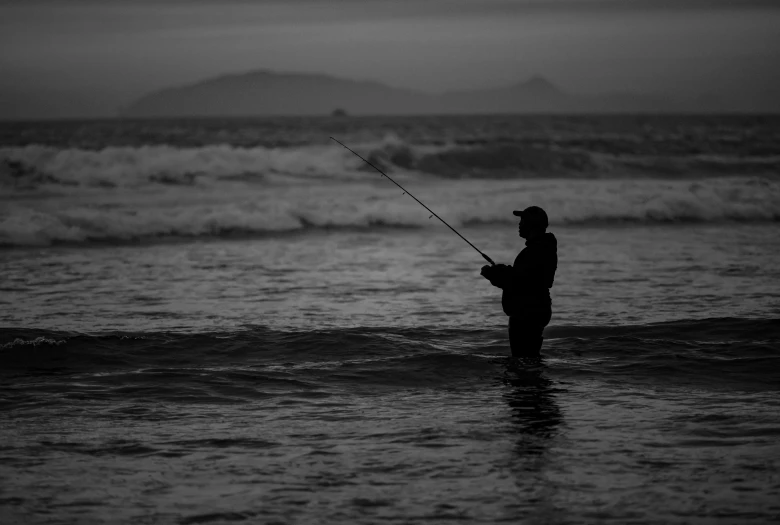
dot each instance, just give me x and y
(526, 284)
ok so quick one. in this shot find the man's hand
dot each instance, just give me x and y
(497, 274)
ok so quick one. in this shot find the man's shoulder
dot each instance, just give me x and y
(534, 254)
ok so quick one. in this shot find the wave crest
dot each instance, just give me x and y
(124, 194)
(242, 210)
(709, 350)
(30, 167)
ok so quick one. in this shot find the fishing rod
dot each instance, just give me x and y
(406, 192)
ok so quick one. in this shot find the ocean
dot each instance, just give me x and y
(226, 321)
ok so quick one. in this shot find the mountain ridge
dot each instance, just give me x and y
(270, 93)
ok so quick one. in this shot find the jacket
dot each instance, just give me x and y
(526, 284)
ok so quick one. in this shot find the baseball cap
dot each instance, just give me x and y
(534, 215)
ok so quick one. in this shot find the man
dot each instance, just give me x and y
(526, 284)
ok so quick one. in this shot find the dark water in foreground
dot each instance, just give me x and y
(233, 321)
(662, 423)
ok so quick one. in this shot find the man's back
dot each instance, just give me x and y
(533, 274)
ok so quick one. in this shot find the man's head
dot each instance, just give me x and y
(533, 222)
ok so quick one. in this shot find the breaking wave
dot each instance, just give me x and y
(137, 194)
(116, 167)
(33, 166)
(245, 210)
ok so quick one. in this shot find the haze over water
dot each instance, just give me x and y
(89, 58)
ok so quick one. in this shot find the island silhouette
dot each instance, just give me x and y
(269, 93)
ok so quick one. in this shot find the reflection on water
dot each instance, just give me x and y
(535, 423)
(536, 416)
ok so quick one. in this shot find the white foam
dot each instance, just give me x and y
(238, 206)
(133, 167)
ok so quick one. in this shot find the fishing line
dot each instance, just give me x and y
(406, 192)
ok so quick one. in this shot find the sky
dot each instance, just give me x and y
(87, 58)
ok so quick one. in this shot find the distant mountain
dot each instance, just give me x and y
(267, 93)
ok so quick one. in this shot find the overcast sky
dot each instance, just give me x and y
(95, 55)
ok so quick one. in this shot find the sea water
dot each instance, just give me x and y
(214, 321)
